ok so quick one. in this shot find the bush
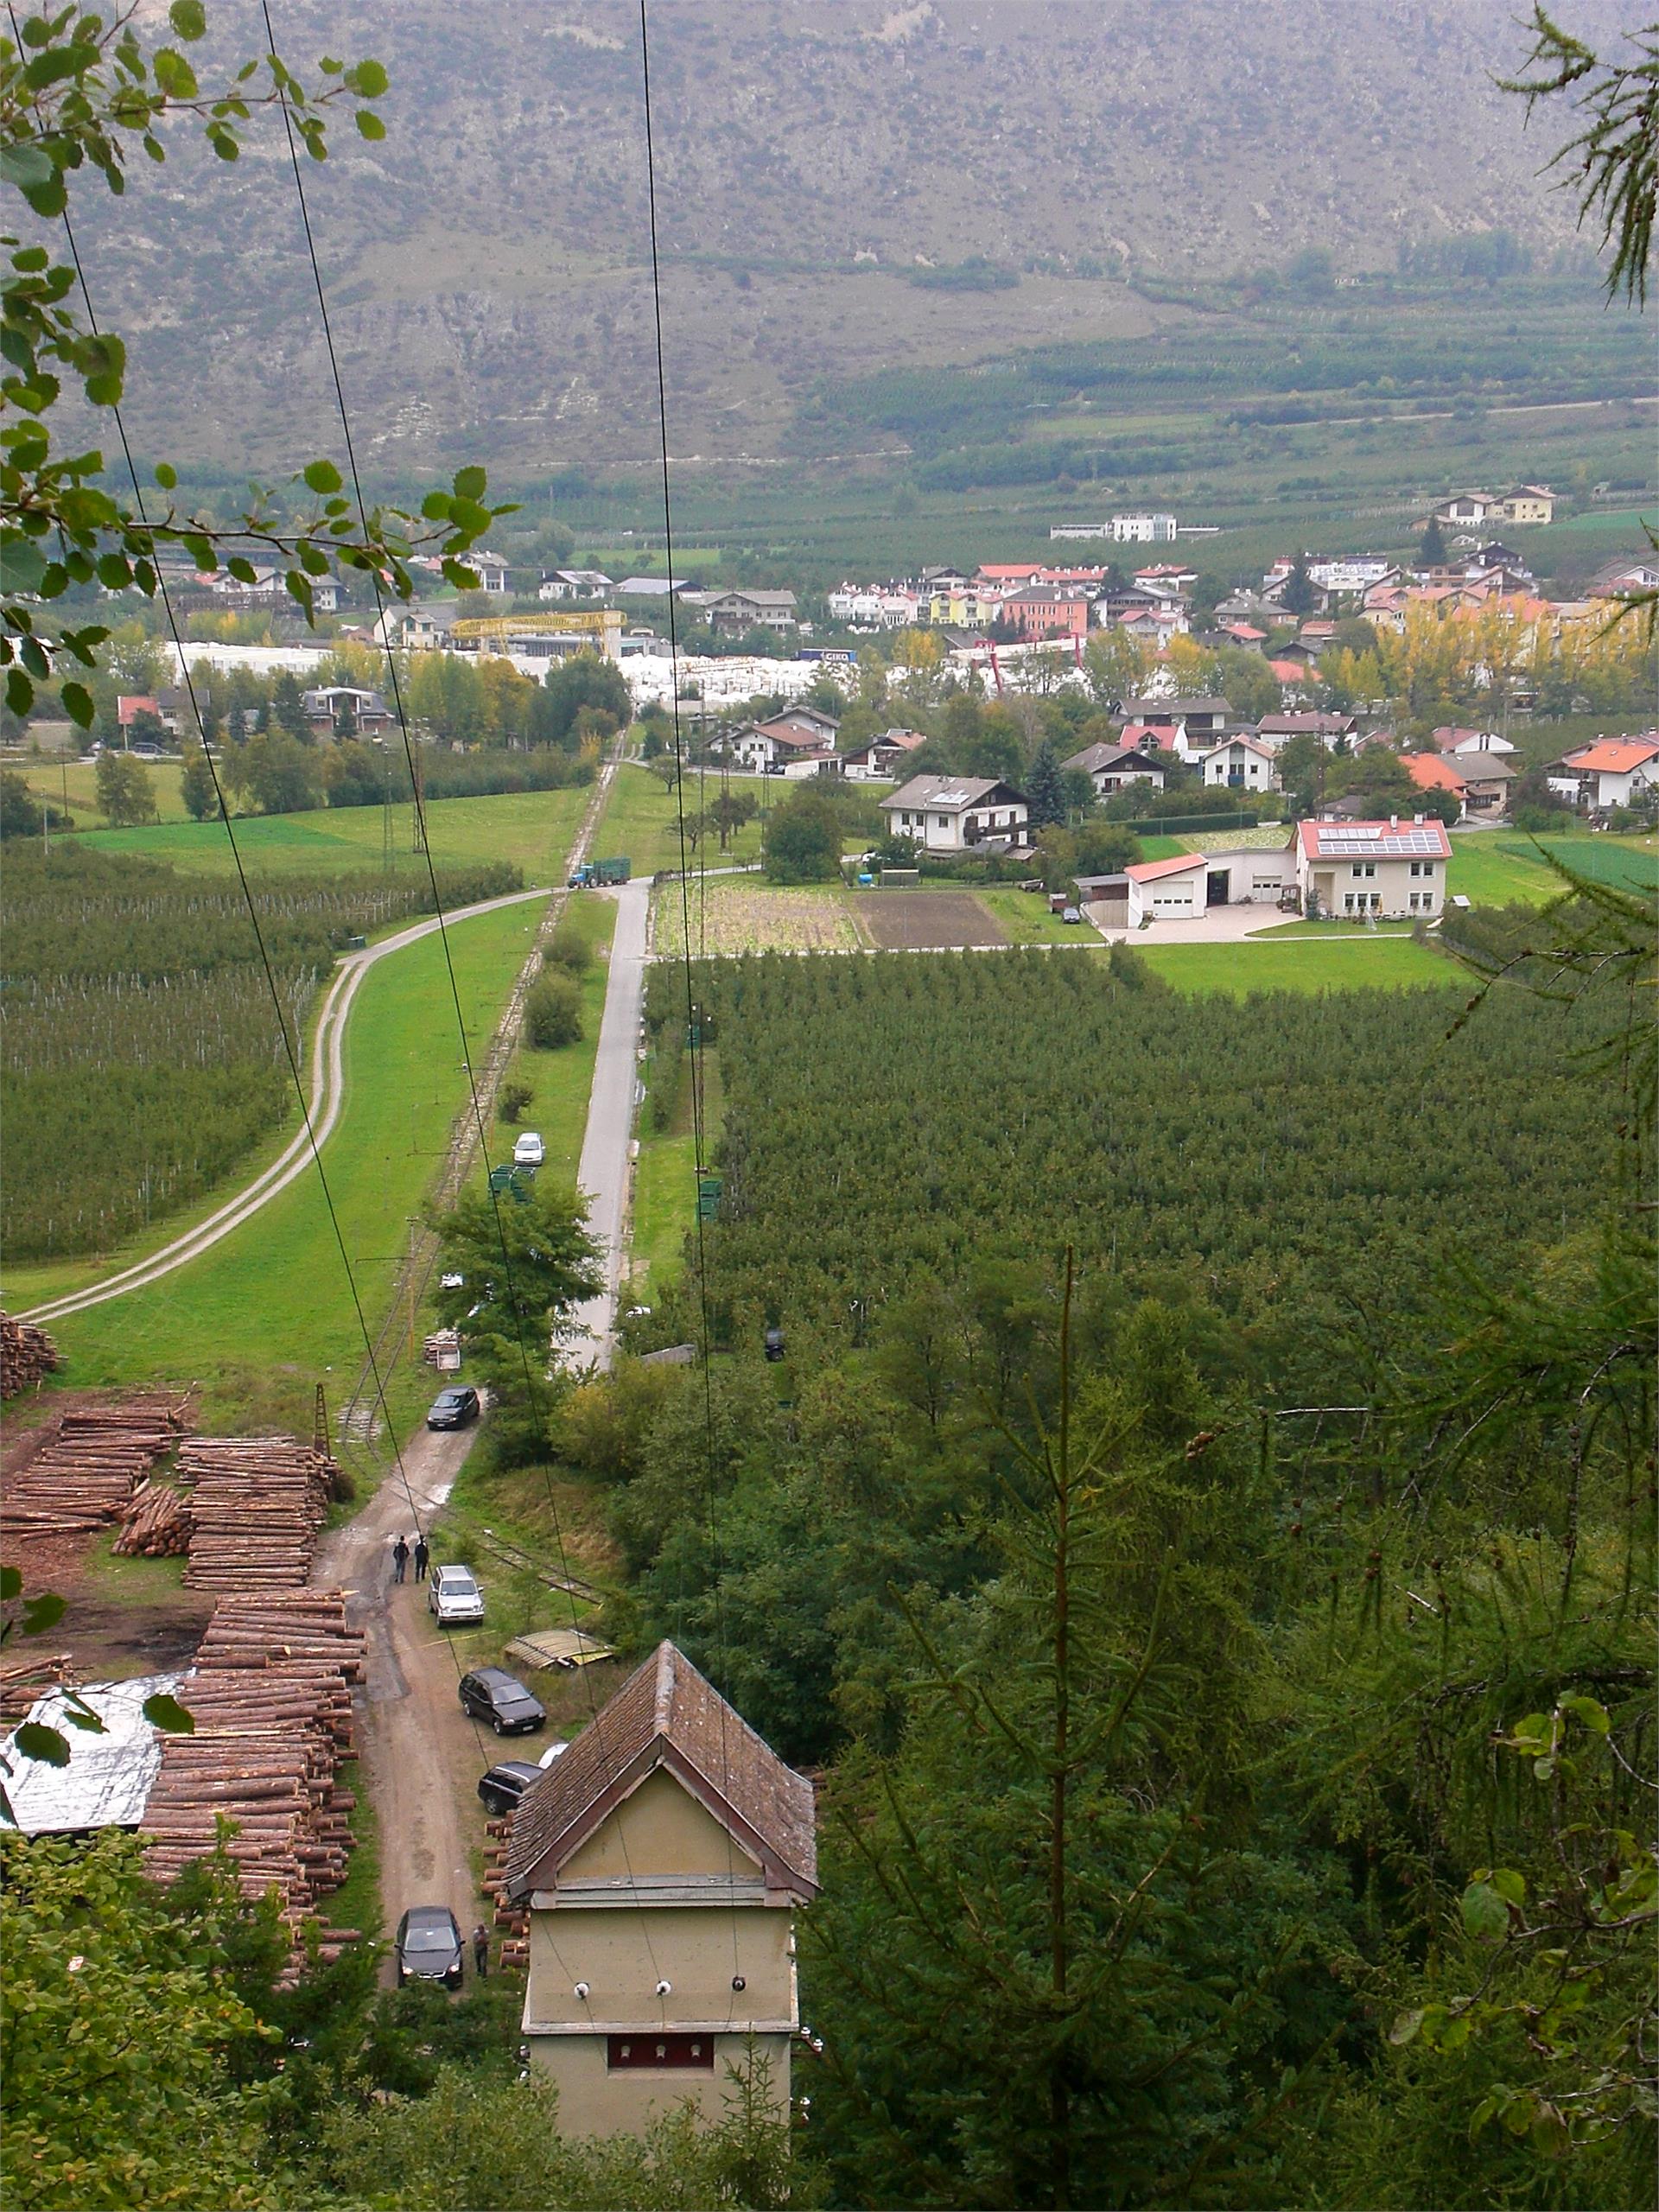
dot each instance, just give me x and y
(553, 1012)
(512, 1102)
(568, 949)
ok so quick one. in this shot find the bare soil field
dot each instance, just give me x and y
(927, 921)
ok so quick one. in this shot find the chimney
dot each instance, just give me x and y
(1394, 821)
(1417, 821)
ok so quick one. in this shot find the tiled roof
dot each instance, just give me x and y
(1430, 773)
(1614, 756)
(952, 793)
(666, 1714)
(1152, 871)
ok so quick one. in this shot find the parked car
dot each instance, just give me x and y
(454, 1595)
(529, 1151)
(453, 1407)
(428, 1946)
(492, 1695)
(1070, 914)
(503, 1785)
(553, 1751)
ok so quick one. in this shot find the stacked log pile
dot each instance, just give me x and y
(258, 1505)
(27, 1355)
(26, 1681)
(154, 1524)
(86, 1473)
(272, 1699)
(512, 1921)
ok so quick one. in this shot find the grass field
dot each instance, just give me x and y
(666, 1187)
(1025, 918)
(267, 1313)
(641, 819)
(77, 782)
(1363, 962)
(533, 829)
(563, 1080)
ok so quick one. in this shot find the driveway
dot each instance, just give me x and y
(422, 1757)
(1221, 925)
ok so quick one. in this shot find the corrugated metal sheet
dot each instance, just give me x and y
(558, 1647)
(107, 1782)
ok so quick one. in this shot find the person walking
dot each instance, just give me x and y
(400, 1559)
(422, 1555)
(481, 1951)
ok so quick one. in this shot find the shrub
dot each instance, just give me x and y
(553, 1012)
(512, 1101)
(568, 949)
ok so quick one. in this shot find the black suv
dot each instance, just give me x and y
(492, 1695)
(428, 1946)
(453, 1407)
(505, 1785)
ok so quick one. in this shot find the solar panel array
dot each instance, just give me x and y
(1365, 841)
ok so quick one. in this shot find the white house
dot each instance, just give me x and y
(1471, 506)
(574, 583)
(768, 749)
(490, 570)
(1109, 768)
(880, 758)
(1143, 529)
(1240, 764)
(1393, 870)
(1274, 730)
(1613, 772)
(732, 613)
(952, 814)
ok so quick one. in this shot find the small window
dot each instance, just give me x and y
(656, 2053)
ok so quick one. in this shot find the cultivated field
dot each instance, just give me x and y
(936, 921)
(736, 914)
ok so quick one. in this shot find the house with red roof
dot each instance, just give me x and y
(1613, 772)
(1478, 781)
(1174, 890)
(1361, 871)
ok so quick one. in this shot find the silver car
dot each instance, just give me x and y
(453, 1595)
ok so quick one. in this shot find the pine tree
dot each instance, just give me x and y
(196, 785)
(1431, 548)
(1301, 594)
(1046, 787)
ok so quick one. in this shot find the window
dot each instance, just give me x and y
(1348, 900)
(943, 820)
(630, 2054)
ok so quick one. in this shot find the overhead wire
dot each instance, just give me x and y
(535, 1396)
(289, 1048)
(695, 1026)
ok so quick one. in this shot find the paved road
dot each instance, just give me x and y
(604, 1169)
(327, 1098)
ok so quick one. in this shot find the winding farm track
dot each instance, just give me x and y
(324, 1105)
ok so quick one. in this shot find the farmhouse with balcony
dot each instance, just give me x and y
(1274, 730)
(662, 1859)
(1180, 725)
(344, 706)
(1613, 772)
(880, 757)
(730, 614)
(768, 749)
(953, 814)
(1390, 871)
(1241, 764)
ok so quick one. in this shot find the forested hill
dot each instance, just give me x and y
(825, 174)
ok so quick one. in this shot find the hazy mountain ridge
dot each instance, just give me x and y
(485, 263)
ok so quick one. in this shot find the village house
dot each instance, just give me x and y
(1356, 871)
(1256, 872)
(574, 584)
(729, 613)
(1109, 767)
(491, 572)
(953, 814)
(1469, 506)
(1180, 725)
(1274, 730)
(336, 706)
(880, 758)
(1449, 737)
(662, 1860)
(1046, 611)
(1241, 764)
(1529, 504)
(1613, 772)
(1478, 781)
(769, 749)
(1622, 578)
(1166, 891)
(1143, 529)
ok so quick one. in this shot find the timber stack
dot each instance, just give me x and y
(27, 1355)
(271, 1698)
(258, 1505)
(85, 1473)
(154, 1524)
(513, 1922)
(24, 1683)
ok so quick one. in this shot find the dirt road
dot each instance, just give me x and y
(422, 1757)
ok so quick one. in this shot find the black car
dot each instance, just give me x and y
(428, 1946)
(491, 1693)
(453, 1407)
(503, 1785)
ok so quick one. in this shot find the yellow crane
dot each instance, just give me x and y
(601, 625)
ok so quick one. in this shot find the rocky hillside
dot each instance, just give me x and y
(823, 171)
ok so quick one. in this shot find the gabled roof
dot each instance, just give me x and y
(1320, 725)
(666, 1714)
(1154, 871)
(1374, 841)
(1613, 756)
(1429, 772)
(1249, 744)
(953, 794)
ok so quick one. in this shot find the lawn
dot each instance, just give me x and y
(1388, 963)
(269, 1305)
(533, 829)
(563, 1080)
(665, 1186)
(641, 819)
(75, 783)
(1025, 919)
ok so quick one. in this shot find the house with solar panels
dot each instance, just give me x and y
(1360, 871)
(662, 1860)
